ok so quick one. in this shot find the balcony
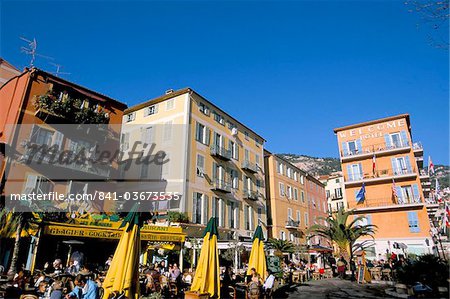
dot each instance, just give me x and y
(383, 203)
(379, 149)
(335, 197)
(291, 224)
(221, 185)
(380, 176)
(47, 161)
(418, 149)
(251, 195)
(249, 166)
(220, 152)
(424, 176)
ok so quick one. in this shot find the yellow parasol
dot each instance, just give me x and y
(257, 255)
(206, 279)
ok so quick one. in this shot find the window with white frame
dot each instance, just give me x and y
(289, 192)
(282, 190)
(295, 194)
(306, 219)
(150, 110)
(200, 208)
(289, 216)
(302, 179)
(295, 176)
(291, 237)
(202, 134)
(200, 165)
(257, 159)
(299, 217)
(37, 184)
(234, 148)
(280, 167)
(302, 196)
(282, 235)
(170, 104)
(125, 141)
(130, 116)
(219, 118)
(246, 135)
(203, 109)
(167, 131)
(234, 175)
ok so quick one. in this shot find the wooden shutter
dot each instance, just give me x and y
(387, 140)
(404, 138)
(359, 145)
(394, 166)
(408, 164)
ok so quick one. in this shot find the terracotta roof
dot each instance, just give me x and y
(375, 121)
(3, 61)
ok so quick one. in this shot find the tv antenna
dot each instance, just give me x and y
(31, 50)
(58, 72)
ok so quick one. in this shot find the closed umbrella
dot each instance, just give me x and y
(207, 279)
(123, 273)
(257, 254)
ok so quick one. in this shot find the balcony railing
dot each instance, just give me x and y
(383, 202)
(380, 174)
(417, 146)
(380, 147)
(250, 194)
(292, 224)
(221, 185)
(335, 197)
(249, 166)
(220, 152)
(47, 158)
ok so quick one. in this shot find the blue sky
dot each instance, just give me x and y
(292, 71)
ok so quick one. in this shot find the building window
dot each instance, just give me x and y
(355, 172)
(125, 141)
(147, 135)
(257, 159)
(258, 142)
(289, 216)
(166, 166)
(302, 179)
(295, 176)
(42, 136)
(130, 117)
(282, 190)
(200, 208)
(352, 147)
(302, 196)
(202, 134)
(170, 104)
(396, 140)
(289, 191)
(151, 110)
(413, 222)
(234, 148)
(200, 165)
(234, 179)
(401, 165)
(338, 192)
(246, 135)
(38, 185)
(295, 194)
(203, 109)
(306, 219)
(219, 118)
(280, 167)
(167, 131)
(233, 212)
(259, 215)
(299, 217)
(282, 235)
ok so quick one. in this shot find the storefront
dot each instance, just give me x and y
(94, 240)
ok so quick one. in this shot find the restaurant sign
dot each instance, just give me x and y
(109, 233)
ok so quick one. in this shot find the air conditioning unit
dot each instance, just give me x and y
(234, 132)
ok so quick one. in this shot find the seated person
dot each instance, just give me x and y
(268, 284)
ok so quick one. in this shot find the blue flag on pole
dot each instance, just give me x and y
(361, 194)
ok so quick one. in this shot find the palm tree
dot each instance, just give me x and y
(23, 221)
(281, 246)
(344, 232)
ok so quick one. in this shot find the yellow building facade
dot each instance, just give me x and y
(381, 156)
(215, 162)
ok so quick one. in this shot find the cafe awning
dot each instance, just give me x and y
(148, 232)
